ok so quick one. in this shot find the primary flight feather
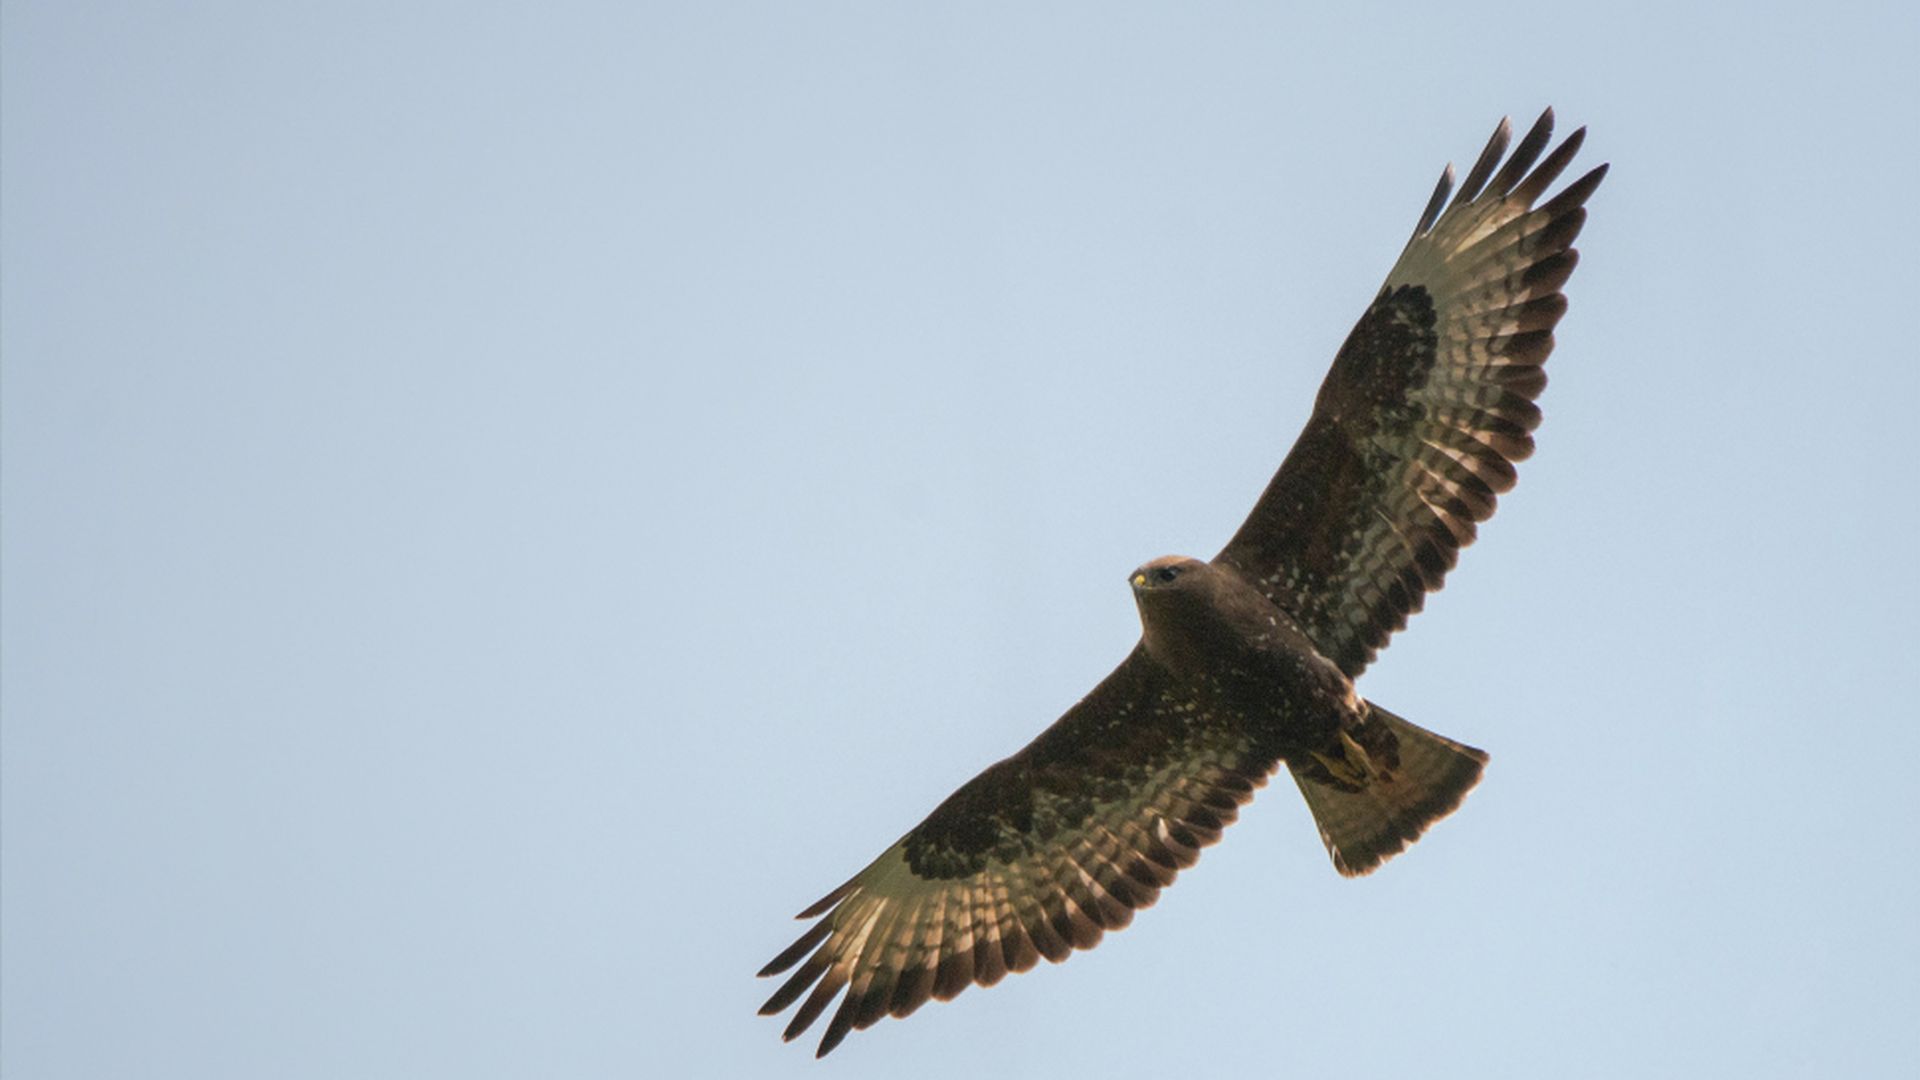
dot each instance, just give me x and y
(1247, 662)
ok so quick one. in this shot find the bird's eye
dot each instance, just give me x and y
(1166, 574)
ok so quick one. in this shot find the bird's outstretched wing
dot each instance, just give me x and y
(1429, 404)
(1037, 856)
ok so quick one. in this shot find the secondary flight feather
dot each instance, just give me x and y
(1246, 662)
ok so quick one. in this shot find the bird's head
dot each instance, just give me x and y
(1164, 575)
(1173, 593)
(1190, 610)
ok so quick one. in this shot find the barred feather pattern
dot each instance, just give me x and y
(1112, 821)
(1428, 406)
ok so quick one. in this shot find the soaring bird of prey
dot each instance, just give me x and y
(1246, 663)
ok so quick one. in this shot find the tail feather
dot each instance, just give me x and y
(1402, 778)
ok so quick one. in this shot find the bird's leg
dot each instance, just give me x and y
(1354, 767)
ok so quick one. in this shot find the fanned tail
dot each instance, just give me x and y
(1382, 786)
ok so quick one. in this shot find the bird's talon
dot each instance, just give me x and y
(1358, 758)
(1341, 770)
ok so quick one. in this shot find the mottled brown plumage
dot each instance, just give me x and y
(1246, 662)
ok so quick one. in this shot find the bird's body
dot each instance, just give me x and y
(1229, 652)
(1246, 662)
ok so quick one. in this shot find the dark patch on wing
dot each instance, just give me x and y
(991, 816)
(1102, 751)
(1388, 355)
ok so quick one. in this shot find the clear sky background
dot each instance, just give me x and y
(504, 505)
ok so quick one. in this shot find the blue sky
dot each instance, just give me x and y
(504, 505)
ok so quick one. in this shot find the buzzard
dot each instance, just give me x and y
(1246, 663)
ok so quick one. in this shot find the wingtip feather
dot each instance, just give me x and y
(1483, 168)
(822, 905)
(1576, 193)
(1437, 202)
(1523, 156)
